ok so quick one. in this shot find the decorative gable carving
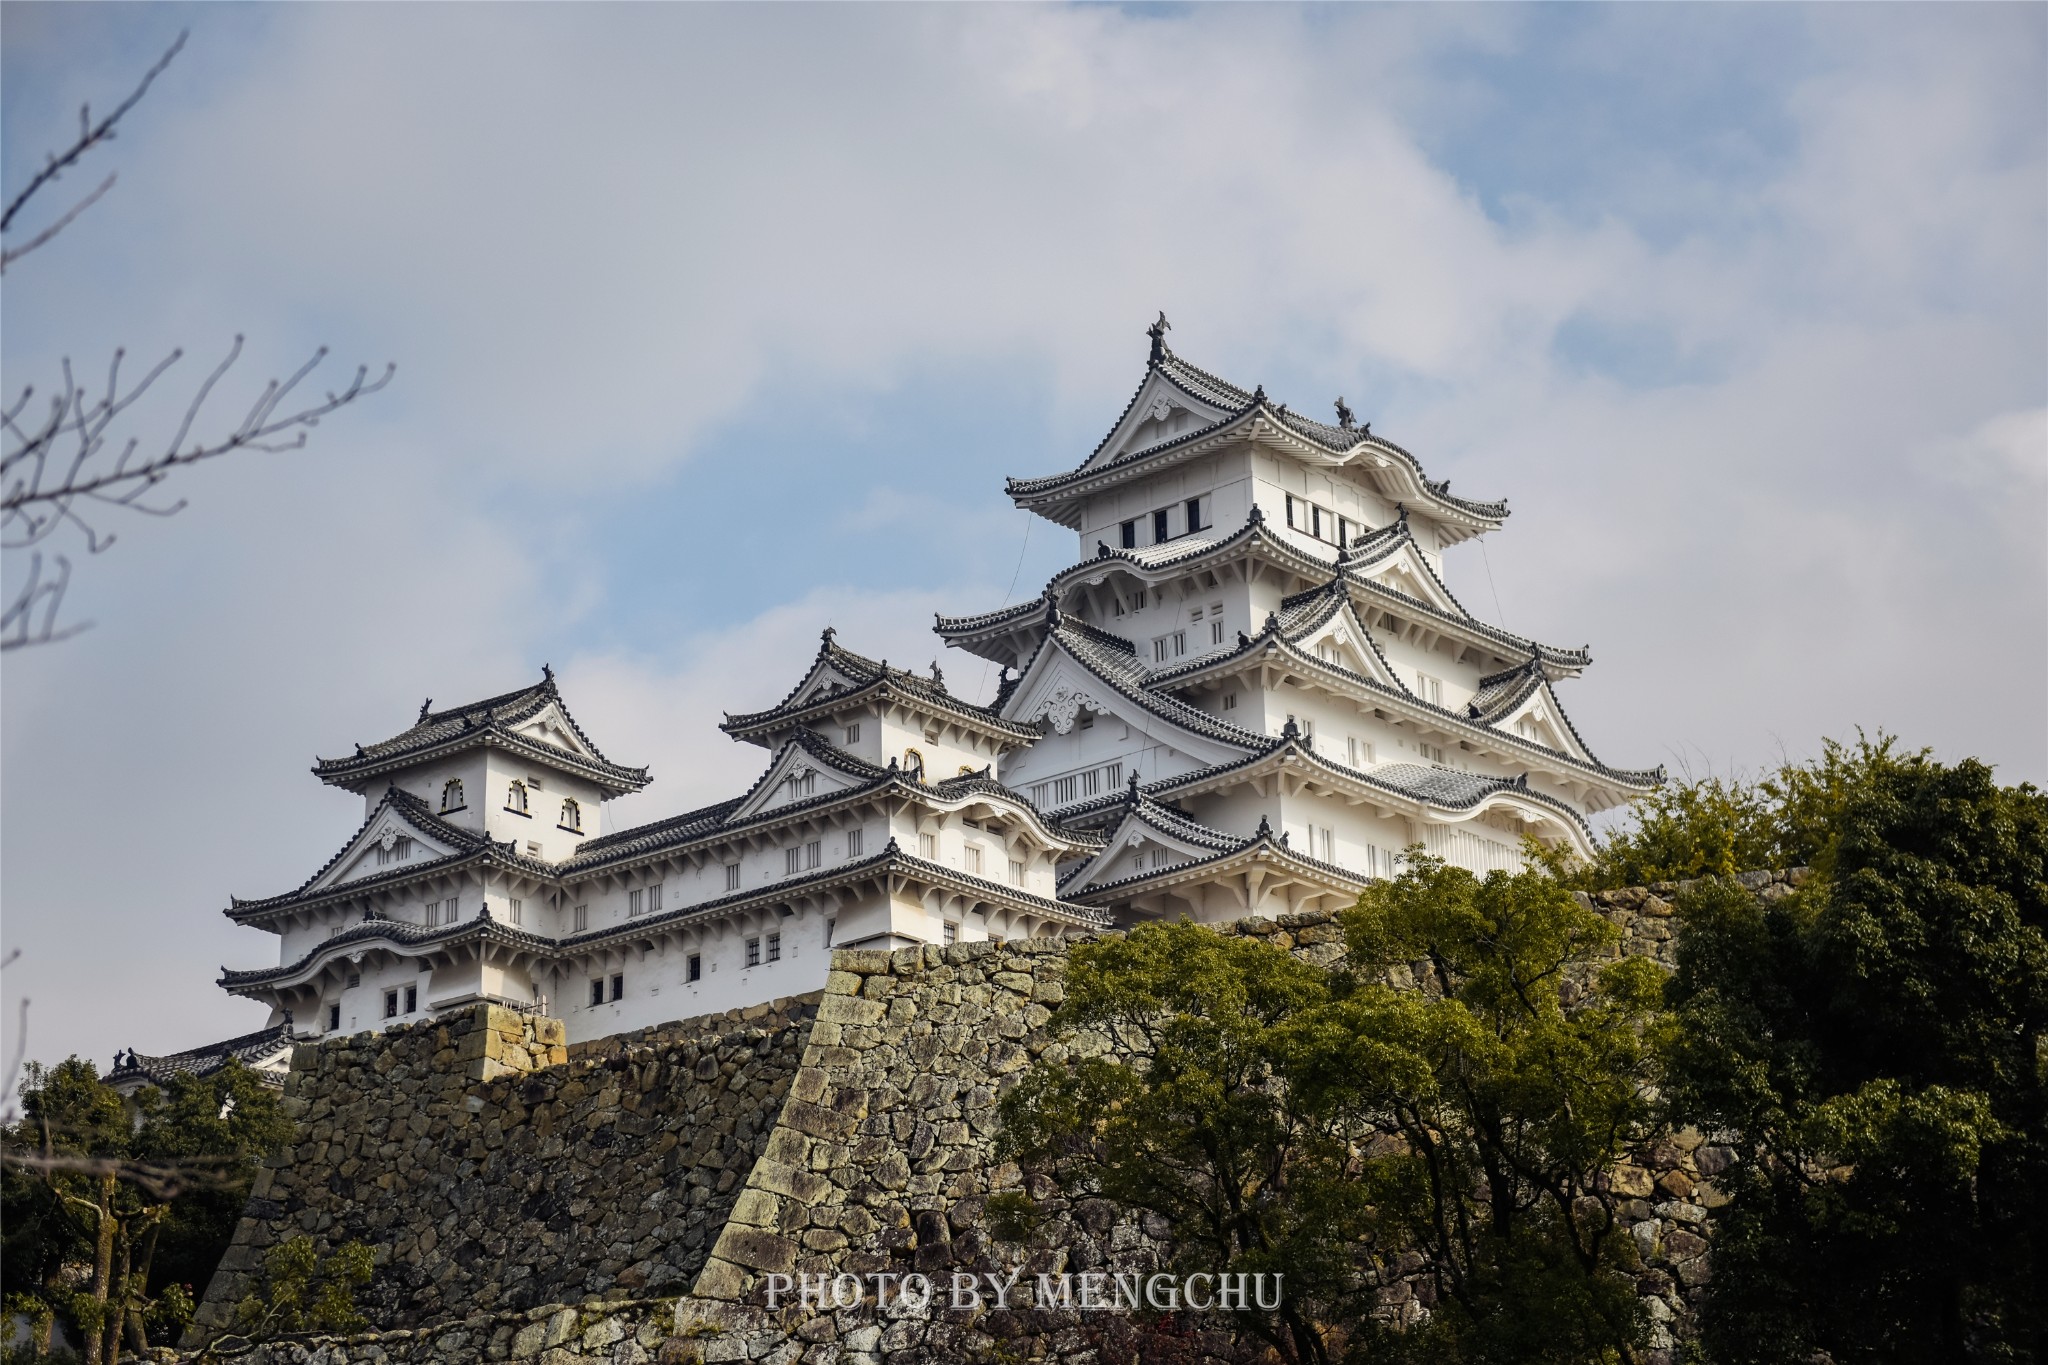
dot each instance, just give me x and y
(1162, 412)
(389, 843)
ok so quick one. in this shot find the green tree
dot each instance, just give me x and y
(1874, 1045)
(305, 1292)
(1216, 1129)
(1719, 826)
(1514, 1080)
(1341, 1125)
(137, 1195)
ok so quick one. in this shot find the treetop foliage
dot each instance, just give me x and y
(1719, 826)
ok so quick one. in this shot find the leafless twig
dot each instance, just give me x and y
(66, 463)
(90, 135)
(163, 1180)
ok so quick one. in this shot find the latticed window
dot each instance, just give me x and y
(451, 794)
(515, 798)
(572, 817)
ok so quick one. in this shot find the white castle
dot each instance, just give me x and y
(1250, 694)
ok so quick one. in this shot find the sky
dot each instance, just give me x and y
(716, 325)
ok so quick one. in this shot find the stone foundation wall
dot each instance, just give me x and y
(491, 1170)
(525, 1214)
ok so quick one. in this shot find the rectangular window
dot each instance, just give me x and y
(1433, 752)
(1215, 632)
(753, 952)
(1358, 751)
(580, 918)
(1429, 689)
(597, 990)
(1016, 873)
(391, 1004)
(1290, 513)
(775, 947)
(355, 979)
(1328, 844)
(1230, 701)
(694, 970)
(1129, 532)
(1159, 526)
(1195, 522)
(814, 851)
(654, 899)
(515, 910)
(1091, 782)
(830, 925)
(333, 1018)
(853, 733)
(791, 860)
(636, 901)
(1113, 776)
(533, 848)
(618, 986)
(949, 932)
(973, 856)
(928, 847)
(732, 876)
(402, 849)
(853, 843)
(1041, 792)
(1065, 789)
(412, 999)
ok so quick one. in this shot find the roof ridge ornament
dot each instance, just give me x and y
(1290, 730)
(1259, 394)
(1272, 623)
(547, 675)
(1265, 829)
(425, 707)
(1258, 517)
(1157, 331)
(1345, 417)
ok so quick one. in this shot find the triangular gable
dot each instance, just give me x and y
(551, 726)
(1057, 688)
(796, 773)
(1163, 411)
(1344, 641)
(1404, 570)
(380, 838)
(1541, 720)
(1143, 843)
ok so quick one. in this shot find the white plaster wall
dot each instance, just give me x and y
(427, 780)
(547, 789)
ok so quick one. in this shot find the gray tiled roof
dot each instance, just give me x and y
(866, 674)
(466, 845)
(1219, 393)
(198, 1061)
(492, 718)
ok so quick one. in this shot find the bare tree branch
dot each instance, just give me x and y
(90, 135)
(31, 614)
(64, 464)
(160, 1180)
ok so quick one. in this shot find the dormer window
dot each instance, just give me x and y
(913, 765)
(572, 817)
(451, 795)
(515, 798)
